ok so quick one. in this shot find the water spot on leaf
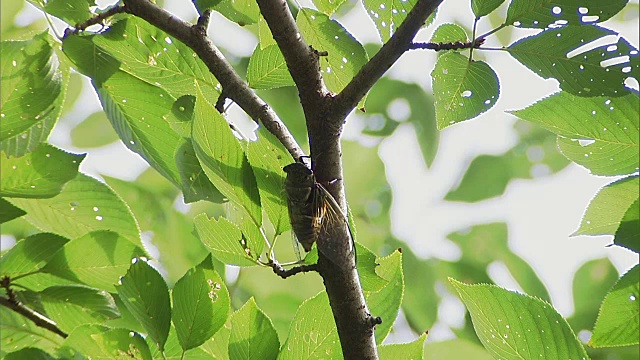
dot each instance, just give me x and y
(467, 94)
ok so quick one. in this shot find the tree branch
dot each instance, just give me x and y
(234, 87)
(37, 318)
(372, 71)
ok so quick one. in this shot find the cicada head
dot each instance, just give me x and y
(299, 182)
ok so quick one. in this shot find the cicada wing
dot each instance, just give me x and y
(332, 224)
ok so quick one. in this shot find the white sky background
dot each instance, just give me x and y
(541, 213)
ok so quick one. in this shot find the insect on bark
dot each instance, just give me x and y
(314, 214)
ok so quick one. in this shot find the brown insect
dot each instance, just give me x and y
(314, 213)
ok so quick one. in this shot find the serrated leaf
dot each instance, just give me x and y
(28, 354)
(484, 7)
(328, 6)
(224, 240)
(619, 317)
(542, 13)
(267, 157)
(367, 263)
(30, 254)
(447, 33)
(84, 135)
(98, 342)
(39, 174)
(17, 332)
(313, 333)
(463, 89)
(267, 68)
(110, 257)
(628, 233)
(389, 15)
(517, 326)
(385, 303)
(71, 11)
(33, 91)
(567, 55)
(200, 305)
(243, 12)
(73, 305)
(607, 208)
(345, 54)
(84, 204)
(145, 294)
(252, 334)
(223, 159)
(9, 212)
(407, 351)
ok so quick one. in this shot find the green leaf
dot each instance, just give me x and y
(542, 13)
(28, 354)
(606, 210)
(463, 89)
(328, 6)
(40, 174)
(18, 332)
(252, 334)
(345, 54)
(517, 326)
(313, 332)
(243, 12)
(73, 305)
(71, 11)
(591, 282)
(9, 212)
(619, 317)
(267, 157)
(389, 15)
(484, 7)
(408, 351)
(218, 346)
(447, 33)
(386, 302)
(567, 55)
(173, 350)
(628, 233)
(110, 257)
(223, 159)
(608, 142)
(93, 132)
(264, 34)
(84, 205)
(267, 68)
(224, 240)
(367, 263)
(33, 90)
(200, 305)
(30, 254)
(145, 294)
(98, 342)
(455, 349)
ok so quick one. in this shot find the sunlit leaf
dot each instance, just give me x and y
(98, 342)
(568, 55)
(17, 332)
(484, 7)
(267, 68)
(30, 254)
(224, 240)
(408, 351)
(517, 326)
(389, 15)
(252, 334)
(71, 11)
(447, 33)
(243, 12)
(385, 303)
(455, 349)
(628, 233)
(94, 131)
(146, 296)
(619, 318)
(328, 6)
(29, 354)
(541, 13)
(264, 34)
(463, 89)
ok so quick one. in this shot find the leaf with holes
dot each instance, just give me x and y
(542, 13)
(599, 133)
(200, 305)
(224, 240)
(463, 89)
(267, 69)
(252, 334)
(619, 317)
(328, 6)
(484, 7)
(389, 15)
(39, 174)
(243, 12)
(567, 55)
(145, 294)
(517, 326)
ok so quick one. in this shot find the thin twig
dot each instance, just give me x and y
(285, 273)
(98, 19)
(457, 45)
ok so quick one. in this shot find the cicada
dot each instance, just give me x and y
(314, 214)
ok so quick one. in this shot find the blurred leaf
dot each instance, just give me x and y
(560, 53)
(447, 33)
(619, 317)
(455, 349)
(223, 160)
(408, 351)
(73, 305)
(540, 13)
(286, 104)
(385, 303)
(463, 89)
(98, 342)
(224, 240)
(628, 233)
(39, 174)
(200, 305)
(345, 54)
(9, 212)
(591, 283)
(71, 11)
(17, 332)
(267, 68)
(93, 132)
(606, 210)
(8, 12)
(484, 7)
(110, 257)
(252, 334)
(328, 6)
(389, 15)
(504, 321)
(84, 205)
(74, 89)
(33, 90)
(29, 354)
(145, 294)
(312, 332)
